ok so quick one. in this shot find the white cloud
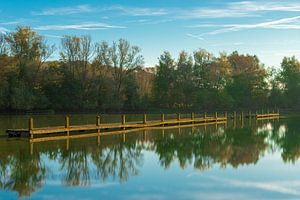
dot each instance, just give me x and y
(199, 13)
(265, 6)
(138, 11)
(10, 22)
(84, 26)
(228, 10)
(53, 36)
(195, 36)
(3, 30)
(284, 187)
(238, 9)
(65, 10)
(291, 52)
(284, 23)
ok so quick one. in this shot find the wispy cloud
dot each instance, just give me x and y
(284, 187)
(227, 44)
(265, 6)
(199, 13)
(3, 30)
(53, 36)
(83, 26)
(291, 52)
(65, 10)
(284, 23)
(10, 22)
(195, 36)
(279, 187)
(139, 11)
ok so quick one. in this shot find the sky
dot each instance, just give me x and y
(269, 29)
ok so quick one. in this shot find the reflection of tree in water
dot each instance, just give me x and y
(118, 161)
(287, 138)
(76, 166)
(234, 147)
(22, 173)
(25, 173)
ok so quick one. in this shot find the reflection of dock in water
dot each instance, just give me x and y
(137, 134)
(122, 132)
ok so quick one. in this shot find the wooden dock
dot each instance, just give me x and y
(102, 128)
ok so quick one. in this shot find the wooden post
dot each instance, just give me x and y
(193, 117)
(204, 117)
(145, 119)
(225, 115)
(67, 124)
(216, 116)
(162, 117)
(98, 124)
(68, 144)
(31, 148)
(123, 121)
(144, 135)
(30, 127)
(242, 115)
(98, 120)
(178, 116)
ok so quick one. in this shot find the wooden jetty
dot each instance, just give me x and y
(124, 125)
(104, 128)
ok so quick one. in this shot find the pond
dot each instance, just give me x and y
(240, 160)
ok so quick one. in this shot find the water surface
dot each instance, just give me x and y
(240, 160)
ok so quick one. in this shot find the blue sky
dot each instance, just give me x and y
(269, 29)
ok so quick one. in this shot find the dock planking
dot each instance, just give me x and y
(123, 125)
(67, 128)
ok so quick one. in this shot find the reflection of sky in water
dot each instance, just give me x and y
(267, 177)
(270, 178)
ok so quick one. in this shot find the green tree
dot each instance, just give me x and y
(164, 82)
(249, 87)
(185, 91)
(29, 51)
(290, 78)
(122, 59)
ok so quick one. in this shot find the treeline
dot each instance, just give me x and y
(111, 77)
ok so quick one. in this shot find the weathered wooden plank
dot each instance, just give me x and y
(123, 125)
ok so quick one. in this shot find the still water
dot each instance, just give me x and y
(242, 160)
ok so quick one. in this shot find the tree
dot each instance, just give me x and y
(185, 90)
(76, 55)
(164, 82)
(276, 96)
(248, 87)
(123, 59)
(29, 51)
(3, 45)
(290, 78)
